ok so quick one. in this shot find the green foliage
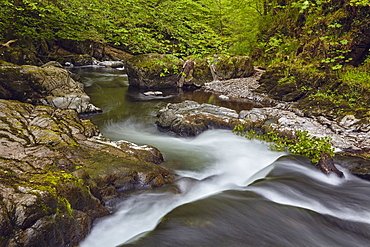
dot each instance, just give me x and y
(302, 144)
(360, 2)
(357, 77)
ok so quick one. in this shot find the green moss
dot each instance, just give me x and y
(302, 143)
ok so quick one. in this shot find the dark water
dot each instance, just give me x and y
(234, 191)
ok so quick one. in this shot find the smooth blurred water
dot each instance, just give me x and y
(231, 192)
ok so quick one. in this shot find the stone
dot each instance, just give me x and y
(49, 84)
(154, 71)
(190, 118)
(225, 68)
(326, 165)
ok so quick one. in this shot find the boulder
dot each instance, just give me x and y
(198, 74)
(224, 67)
(49, 84)
(57, 173)
(88, 47)
(154, 71)
(190, 118)
(18, 55)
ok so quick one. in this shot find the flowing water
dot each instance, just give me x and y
(231, 191)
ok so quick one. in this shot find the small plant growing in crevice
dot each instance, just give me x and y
(302, 144)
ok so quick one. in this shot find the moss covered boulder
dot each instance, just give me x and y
(49, 84)
(229, 67)
(57, 173)
(154, 71)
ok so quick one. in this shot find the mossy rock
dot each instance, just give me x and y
(201, 73)
(154, 70)
(233, 67)
(47, 85)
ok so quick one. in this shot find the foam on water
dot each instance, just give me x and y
(214, 161)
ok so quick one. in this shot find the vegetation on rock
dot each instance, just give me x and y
(302, 143)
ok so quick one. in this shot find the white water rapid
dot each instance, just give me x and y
(214, 161)
(232, 192)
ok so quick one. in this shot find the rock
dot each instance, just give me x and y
(52, 63)
(225, 68)
(154, 71)
(326, 165)
(78, 60)
(241, 89)
(224, 97)
(356, 165)
(201, 74)
(111, 64)
(49, 84)
(57, 173)
(190, 118)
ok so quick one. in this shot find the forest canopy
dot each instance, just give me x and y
(324, 31)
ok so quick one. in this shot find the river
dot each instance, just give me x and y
(231, 191)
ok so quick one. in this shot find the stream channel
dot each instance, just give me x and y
(232, 191)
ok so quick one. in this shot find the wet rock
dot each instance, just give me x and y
(356, 165)
(190, 118)
(326, 165)
(56, 173)
(48, 85)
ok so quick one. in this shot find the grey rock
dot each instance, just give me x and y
(191, 118)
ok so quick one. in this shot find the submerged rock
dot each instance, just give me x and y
(57, 173)
(49, 84)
